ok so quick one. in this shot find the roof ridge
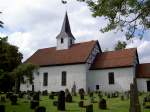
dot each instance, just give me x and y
(120, 50)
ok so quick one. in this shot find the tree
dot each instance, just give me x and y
(120, 45)
(129, 16)
(1, 23)
(10, 58)
(22, 71)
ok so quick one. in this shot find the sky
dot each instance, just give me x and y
(34, 24)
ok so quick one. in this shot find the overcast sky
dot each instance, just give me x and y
(34, 24)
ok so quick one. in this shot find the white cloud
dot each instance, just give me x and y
(34, 24)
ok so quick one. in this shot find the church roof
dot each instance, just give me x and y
(65, 30)
(77, 53)
(143, 70)
(115, 59)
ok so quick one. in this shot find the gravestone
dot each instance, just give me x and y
(81, 104)
(89, 108)
(13, 99)
(102, 104)
(34, 104)
(68, 98)
(81, 93)
(40, 109)
(73, 90)
(55, 103)
(134, 100)
(51, 96)
(61, 101)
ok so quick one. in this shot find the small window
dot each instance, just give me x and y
(64, 77)
(97, 87)
(45, 79)
(111, 78)
(62, 40)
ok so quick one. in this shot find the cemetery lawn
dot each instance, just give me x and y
(113, 105)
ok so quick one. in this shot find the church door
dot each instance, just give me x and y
(148, 85)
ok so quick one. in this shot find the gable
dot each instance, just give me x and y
(77, 53)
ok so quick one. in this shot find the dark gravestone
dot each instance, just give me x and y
(45, 93)
(81, 96)
(68, 98)
(51, 96)
(13, 99)
(122, 97)
(102, 104)
(134, 100)
(61, 101)
(55, 103)
(40, 109)
(2, 108)
(36, 96)
(89, 108)
(81, 104)
(34, 104)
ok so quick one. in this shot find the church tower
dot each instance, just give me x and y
(65, 38)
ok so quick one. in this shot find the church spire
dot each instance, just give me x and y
(65, 30)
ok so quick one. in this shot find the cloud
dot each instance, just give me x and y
(34, 24)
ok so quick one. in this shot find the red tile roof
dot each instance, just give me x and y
(77, 53)
(143, 70)
(114, 59)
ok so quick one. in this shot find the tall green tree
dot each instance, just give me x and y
(129, 16)
(10, 58)
(23, 73)
(120, 45)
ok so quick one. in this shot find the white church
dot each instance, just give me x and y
(85, 65)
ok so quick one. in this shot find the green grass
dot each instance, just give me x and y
(113, 105)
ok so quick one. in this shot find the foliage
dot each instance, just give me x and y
(131, 16)
(10, 58)
(23, 70)
(120, 45)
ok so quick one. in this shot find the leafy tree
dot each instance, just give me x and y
(21, 72)
(10, 58)
(120, 45)
(1, 23)
(130, 16)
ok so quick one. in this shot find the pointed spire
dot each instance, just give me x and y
(65, 30)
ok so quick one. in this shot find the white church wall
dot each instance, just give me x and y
(75, 73)
(142, 84)
(122, 77)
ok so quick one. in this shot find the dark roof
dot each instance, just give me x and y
(77, 53)
(115, 59)
(143, 70)
(65, 31)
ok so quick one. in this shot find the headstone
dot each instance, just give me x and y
(73, 90)
(45, 93)
(40, 109)
(68, 98)
(81, 104)
(81, 93)
(34, 104)
(61, 101)
(2, 108)
(55, 103)
(122, 97)
(102, 104)
(13, 99)
(134, 100)
(89, 108)
(36, 96)
(51, 96)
